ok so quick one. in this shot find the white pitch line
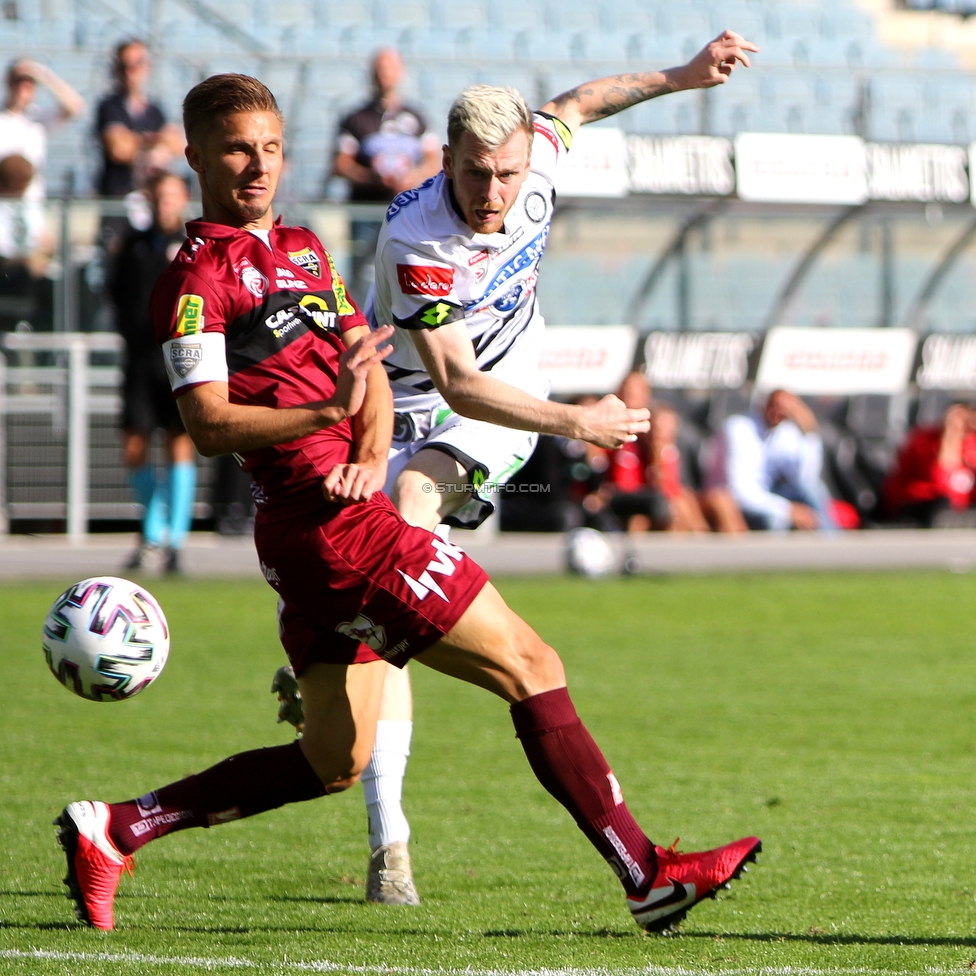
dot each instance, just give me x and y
(324, 966)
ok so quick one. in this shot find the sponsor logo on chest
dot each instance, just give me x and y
(425, 279)
(309, 310)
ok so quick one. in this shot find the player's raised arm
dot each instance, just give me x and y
(603, 97)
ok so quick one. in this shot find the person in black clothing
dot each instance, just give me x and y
(135, 138)
(383, 148)
(148, 403)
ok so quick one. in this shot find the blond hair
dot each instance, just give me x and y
(490, 113)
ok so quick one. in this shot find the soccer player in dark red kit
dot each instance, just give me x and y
(271, 360)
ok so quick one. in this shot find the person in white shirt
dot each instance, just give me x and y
(23, 125)
(771, 462)
(456, 267)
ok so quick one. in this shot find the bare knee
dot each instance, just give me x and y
(533, 666)
(337, 771)
(416, 499)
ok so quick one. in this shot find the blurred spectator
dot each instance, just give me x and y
(690, 511)
(23, 124)
(771, 463)
(26, 247)
(935, 471)
(135, 138)
(625, 498)
(148, 403)
(383, 148)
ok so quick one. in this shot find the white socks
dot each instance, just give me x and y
(383, 784)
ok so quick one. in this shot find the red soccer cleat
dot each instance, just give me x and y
(683, 880)
(95, 865)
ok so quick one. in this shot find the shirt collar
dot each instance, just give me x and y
(205, 228)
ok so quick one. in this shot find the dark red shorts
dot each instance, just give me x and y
(360, 584)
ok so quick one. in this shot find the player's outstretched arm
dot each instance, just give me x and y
(218, 426)
(598, 99)
(449, 356)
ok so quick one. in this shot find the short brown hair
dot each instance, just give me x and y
(221, 95)
(16, 173)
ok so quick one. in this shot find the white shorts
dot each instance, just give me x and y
(489, 454)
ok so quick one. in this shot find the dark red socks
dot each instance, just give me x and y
(241, 786)
(571, 767)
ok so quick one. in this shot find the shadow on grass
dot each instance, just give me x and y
(32, 894)
(826, 939)
(42, 926)
(323, 900)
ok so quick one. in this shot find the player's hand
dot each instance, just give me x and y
(354, 366)
(608, 423)
(290, 708)
(713, 64)
(354, 482)
(804, 518)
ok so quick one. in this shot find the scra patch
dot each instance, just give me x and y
(307, 260)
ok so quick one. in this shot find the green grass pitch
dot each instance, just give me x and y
(832, 715)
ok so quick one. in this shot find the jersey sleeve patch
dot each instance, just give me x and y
(343, 304)
(425, 279)
(562, 130)
(194, 359)
(189, 315)
(549, 126)
(431, 316)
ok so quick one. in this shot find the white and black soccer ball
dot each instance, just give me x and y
(588, 553)
(106, 638)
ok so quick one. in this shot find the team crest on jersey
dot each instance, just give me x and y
(478, 263)
(307, 260)
(252, 279)
(184, 357)
(535, 206)
(363, 629)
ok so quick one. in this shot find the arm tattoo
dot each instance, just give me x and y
(598, 100)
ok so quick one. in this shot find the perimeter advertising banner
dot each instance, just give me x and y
(699, 165)
(839, 362)
(588, 358)
(596, 166)
(790, 168)
(697, 360)
(948, 363)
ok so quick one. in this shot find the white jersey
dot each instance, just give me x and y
(432, 269)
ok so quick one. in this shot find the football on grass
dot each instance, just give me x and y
(105, 639)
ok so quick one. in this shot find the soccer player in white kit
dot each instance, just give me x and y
(456, 268)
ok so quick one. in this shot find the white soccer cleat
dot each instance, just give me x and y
(390, 879)
(290, 708)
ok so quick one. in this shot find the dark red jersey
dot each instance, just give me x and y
(268, 318)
